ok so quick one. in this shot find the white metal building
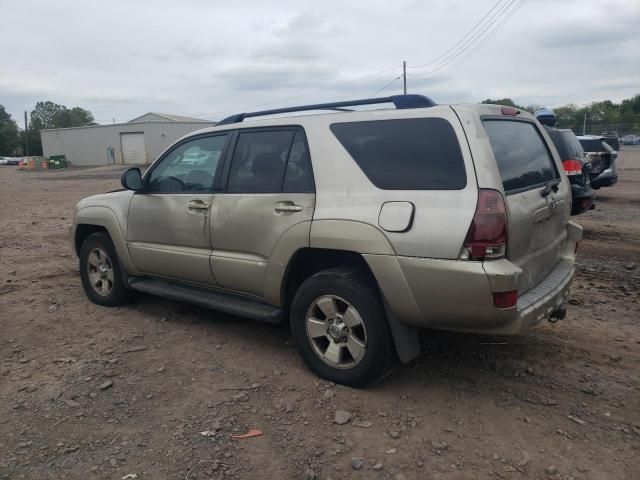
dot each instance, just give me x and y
(137, 142)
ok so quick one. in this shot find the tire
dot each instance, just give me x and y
(100, 271)
(365, 350)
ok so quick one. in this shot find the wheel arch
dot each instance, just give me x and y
(94, 219)
(307, 261)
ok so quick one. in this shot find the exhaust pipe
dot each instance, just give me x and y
(558, 314)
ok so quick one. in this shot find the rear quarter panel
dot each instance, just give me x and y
(344, 192)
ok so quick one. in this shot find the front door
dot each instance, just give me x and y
(269, 201)
(168, 226)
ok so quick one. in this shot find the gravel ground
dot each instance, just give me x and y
(89, 392)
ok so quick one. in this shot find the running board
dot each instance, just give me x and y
(213, 299)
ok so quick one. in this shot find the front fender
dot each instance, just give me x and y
(105, 217)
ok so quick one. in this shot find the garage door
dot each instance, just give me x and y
(133, 150)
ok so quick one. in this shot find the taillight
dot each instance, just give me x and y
(509, 111)
(505, 299)
(487, 236)
(572, 167)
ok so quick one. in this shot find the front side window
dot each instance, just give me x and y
(522, 155)
(190, 167)
(405, 154)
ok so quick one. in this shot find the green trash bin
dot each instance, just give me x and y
(57, 161)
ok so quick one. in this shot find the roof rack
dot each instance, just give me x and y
(400, 102)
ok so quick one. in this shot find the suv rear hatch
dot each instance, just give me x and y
(537, 196)
(598, 154)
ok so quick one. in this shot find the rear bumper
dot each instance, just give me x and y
(607, 178)
(541, 301)
(458, 295)
(581, 198)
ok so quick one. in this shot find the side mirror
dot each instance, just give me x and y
(132, 179)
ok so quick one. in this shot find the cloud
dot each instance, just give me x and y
(123, 59)
(591, 37)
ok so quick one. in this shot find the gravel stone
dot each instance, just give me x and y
(342, 417)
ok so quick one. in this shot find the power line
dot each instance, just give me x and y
(461, 40)
(312, 92)
(385, 87)
(482, 38)
(488, 37)
(469, 43)
(452, 53)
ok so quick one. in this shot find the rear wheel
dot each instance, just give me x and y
(101, 273)
(340, 328)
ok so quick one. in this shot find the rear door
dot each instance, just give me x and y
(269, 198)
(537, 196)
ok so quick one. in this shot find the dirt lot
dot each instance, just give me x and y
(90, 392)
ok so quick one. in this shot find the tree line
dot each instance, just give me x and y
(45, 115)
(595, 118)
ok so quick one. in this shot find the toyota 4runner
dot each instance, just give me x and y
(356, 227)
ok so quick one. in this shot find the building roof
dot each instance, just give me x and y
(166, 117)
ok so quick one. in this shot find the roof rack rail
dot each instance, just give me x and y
(400, 102)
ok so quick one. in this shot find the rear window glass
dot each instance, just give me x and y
(522, 156)
(592, 145)
(406, 154)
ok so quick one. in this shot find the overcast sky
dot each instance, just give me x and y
(207, 58)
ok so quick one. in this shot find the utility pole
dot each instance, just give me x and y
(26, 134)
(404, 75)
(584, 124)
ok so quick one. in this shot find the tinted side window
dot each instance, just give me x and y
(259, 161)
(559, 141)
(190, 167)
(299, 176)
(567, 144)
(574, 147)
(521, 154)
(407, 154)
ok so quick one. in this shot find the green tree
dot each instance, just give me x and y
(48, 115)
(9, 136)
(74, 117)
(631, 105)
(594, 117)
(503, 101)
(44, 114)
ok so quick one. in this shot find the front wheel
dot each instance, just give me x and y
(340, 328)
(101, 273)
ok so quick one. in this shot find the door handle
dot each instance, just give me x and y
(198, 205)
(288, 207)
